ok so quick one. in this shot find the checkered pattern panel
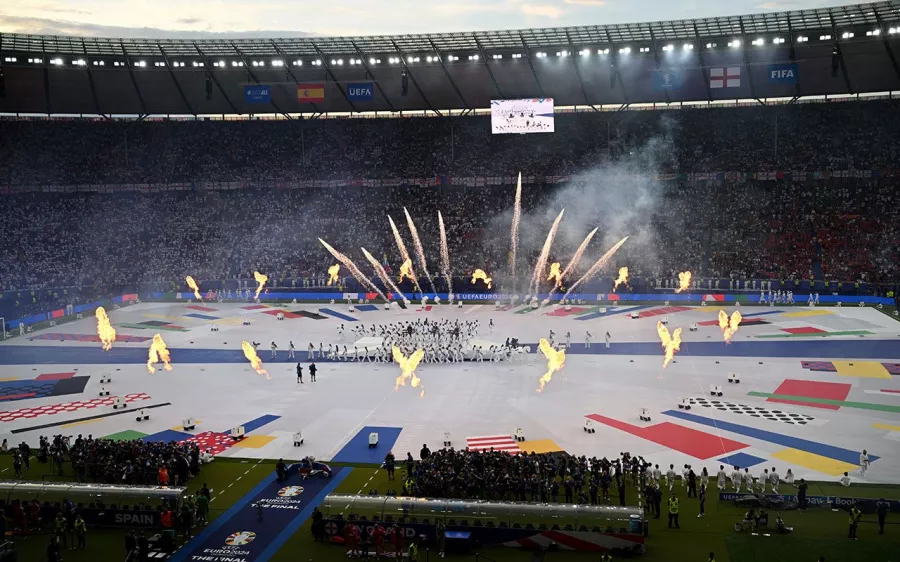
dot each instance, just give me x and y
(754, 411)
(892, 368)
(824, 366)
(213, 441)
(51, 409)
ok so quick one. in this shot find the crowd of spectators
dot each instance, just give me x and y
(740, 226)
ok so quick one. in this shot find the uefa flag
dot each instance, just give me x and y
(311, 93)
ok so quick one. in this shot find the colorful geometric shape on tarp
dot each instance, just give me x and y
(807, 313)
(11, 391)
(802, 330)
(75, 385)
(200, 308)
(211, 441)
(310, 315)
(88, 338)
(505, 443)
(815, 462)
(287, 313)
(357, 450)
(811, 389)
(339, 315)
(540, 446)
(52, 409)
(153, 323)
(166, 436)
(819, 366)
(742, 460)
(744, 322)
(611, 311)
(862, 369)
(127, 435)
(685, 440)
(664, 310)
(257, 423)
(366, 307)
(255, 441)
(201, 316)
(54, 376)
(892, 368)
(814, 447)
(561, 311)
(254, 307)
(886, 426)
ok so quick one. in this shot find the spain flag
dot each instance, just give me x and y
(311, 93)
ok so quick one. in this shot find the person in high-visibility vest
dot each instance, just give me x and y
(855, 516)
(605, 557)
(673, 512)
(413, 552)
(80, 531)
(712, 557)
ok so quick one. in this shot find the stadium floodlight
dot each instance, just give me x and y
(668, 47)
(317, 62)
(496, 56)
(517, 55)
(734, 43)
(645, 49)
(825, 37)
(710, 45)
(540, 54)
(893, 30)
(33, 61)
(584, 52)
(79, 62)
(687, 47)
(759, 41)
(562, 53)
(11, 59)
(352, 62)
(603, 51)
(802, 39)
(371, 61)
(473, 57)
(874, 32)
(847, 35)
(277, 63)
(778, 40)
(624, 50)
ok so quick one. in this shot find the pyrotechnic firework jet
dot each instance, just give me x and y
(445, 255)
(729, 326)
(555, 361)
(514, 235)
(555, 274)
(253, 358)
(159, 353)
(480, 274)
(670, 342)
(404, 253)
(105, 331)
(382, 274)
(261, 281)
(193, 285)
(420, 252)
(622, 278)
(684, 281)
(333, 274)
(541, 264)
(354, 271)
(598, 265)
(573, 263)
(408, 369)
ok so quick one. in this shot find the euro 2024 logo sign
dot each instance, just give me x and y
(290, 491)
(240, 538)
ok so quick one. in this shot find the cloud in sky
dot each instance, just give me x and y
(291, 18)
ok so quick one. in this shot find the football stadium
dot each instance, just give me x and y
(604, 292)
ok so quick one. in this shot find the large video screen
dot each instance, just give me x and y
(522, 116)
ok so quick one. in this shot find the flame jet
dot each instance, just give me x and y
(556, 359)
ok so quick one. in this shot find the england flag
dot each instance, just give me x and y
(725, 77)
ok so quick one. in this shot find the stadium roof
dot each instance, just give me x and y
(459, 70)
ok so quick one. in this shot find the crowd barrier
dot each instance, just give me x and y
(866, 505)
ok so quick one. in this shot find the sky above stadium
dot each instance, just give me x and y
(285, 18)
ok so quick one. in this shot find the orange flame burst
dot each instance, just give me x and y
(671, 343)
(684, 281)
(408, 368)
(480, 274)
(556, 359)
(193, 285)
(555, 273)
(261, 279)
(728, 325)
(105, 331)
(159, 353)
(333, 273)
(406, 271)
(253, 358)
(623, 278)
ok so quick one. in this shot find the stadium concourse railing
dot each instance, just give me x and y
(314, 289)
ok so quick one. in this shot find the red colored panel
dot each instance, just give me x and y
(685, 440)
(803, 330)
(660, 311)
(254, 307)
(57, 313)
(564, 312)
(201, 308)
(811, 389)
(892, 391)
(612, 297)
(371, 296)
(128, 298)
(54, 376)
(18, 396)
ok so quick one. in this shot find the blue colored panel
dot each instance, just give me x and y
(357, 450)
(830, 451)
(166, 436)
(761, 314)
(610, 311)
(366, 307)
(13, 390)
(337, 314)
(259, 422)
(202, 316)
(742, 460)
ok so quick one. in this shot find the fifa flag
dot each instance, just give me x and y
(311, 93)
(725, 77)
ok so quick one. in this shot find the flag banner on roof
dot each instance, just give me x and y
(311, 93)
(729, 77)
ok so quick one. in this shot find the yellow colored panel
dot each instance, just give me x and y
(886, 426)
(180, 428)
(7, 379)
(710, 308)
(85, 422)
(864, 369)
(815, 462)
(255, 441)
(540, 446)
(233, 321)
(807, 313)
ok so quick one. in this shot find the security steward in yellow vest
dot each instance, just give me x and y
(605, 557)
(413, 552)
(855, 516)
(673, 512)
